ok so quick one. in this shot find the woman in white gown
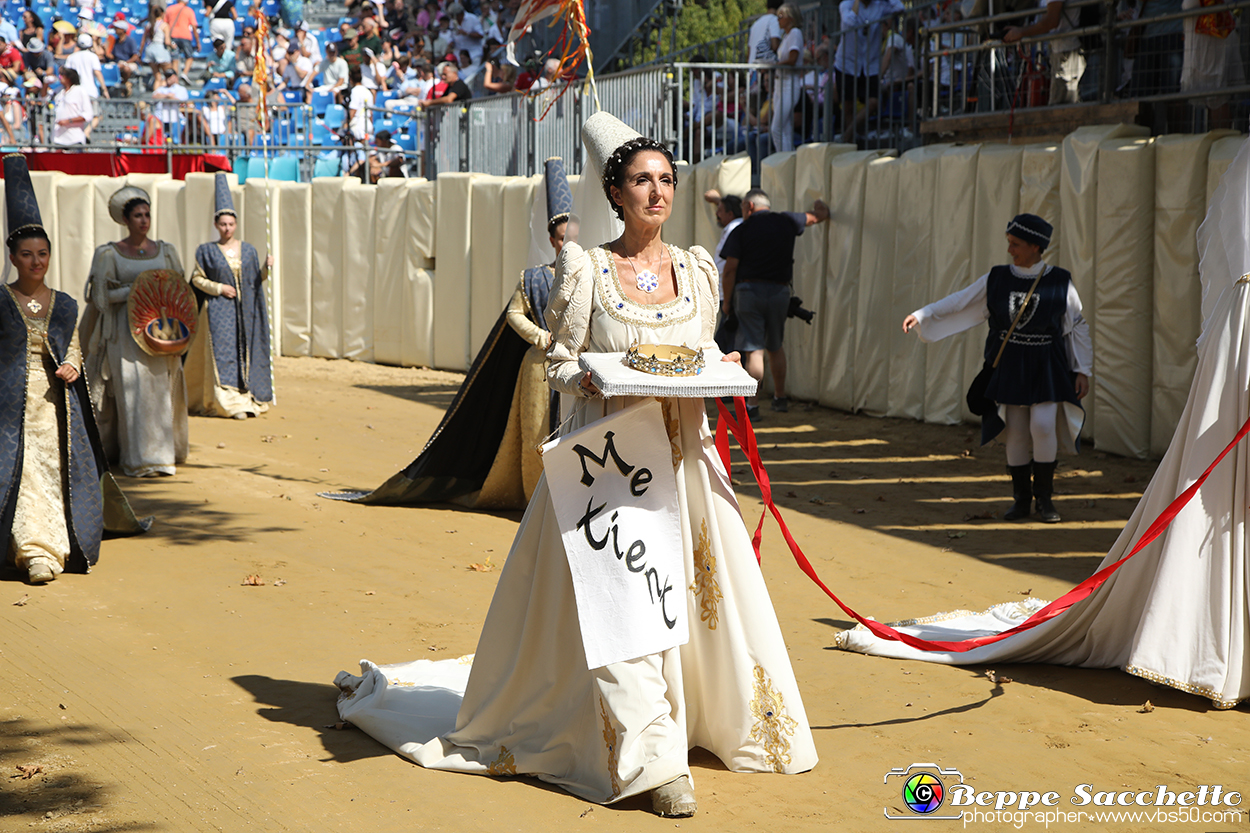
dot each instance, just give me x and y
(140, 400)
(528, 704)
(1178, 612)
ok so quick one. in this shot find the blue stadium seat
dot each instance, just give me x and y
(214, 84)
(321, 134)
(326, 167)
(320, 101)
(269, 8)
(293, 96)
(407, 141)
(240, 168)
(381, 98)
(336, 114)
(285, 168)
(112, 75)
(195, 95)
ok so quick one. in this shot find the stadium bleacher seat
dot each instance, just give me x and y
(335, 116)
(326, 167)
(320, 101)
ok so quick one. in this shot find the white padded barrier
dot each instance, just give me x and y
(913, 275)
(486, 273)
(837, 294)
(453, 346)
(877, 329)
(327, 266)
(1123, 268)
(954, 200)
(1181, 162)
(705, 175)
(357, 231)
(521, 197)
(292, 232)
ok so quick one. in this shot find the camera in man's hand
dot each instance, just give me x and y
(796, 310)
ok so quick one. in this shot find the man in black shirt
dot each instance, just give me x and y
(759, 267)
(457, 90)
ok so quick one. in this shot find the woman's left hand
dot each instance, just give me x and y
(269, 262)
(68, 373)
(734, 357)
(1082, 386)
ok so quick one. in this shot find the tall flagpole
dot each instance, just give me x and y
(260, 79)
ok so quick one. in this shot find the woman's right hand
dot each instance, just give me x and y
(588, 387)
(228, 291)
(909, 322)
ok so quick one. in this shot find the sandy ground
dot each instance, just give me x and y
(161, 693)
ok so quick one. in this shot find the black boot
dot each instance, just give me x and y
(1021, 492)
(1043, 488)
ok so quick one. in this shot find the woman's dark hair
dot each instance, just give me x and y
(132, 204)
(32, 233)
(614, 168)
(732, 204)
(71, 75)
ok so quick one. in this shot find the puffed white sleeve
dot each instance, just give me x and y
(568, 318)
(707, 284)
(955, 313)
(1076, 335)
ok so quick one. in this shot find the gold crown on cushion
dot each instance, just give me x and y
(665, 359)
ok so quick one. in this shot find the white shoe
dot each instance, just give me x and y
(39, 572)
(675, 799)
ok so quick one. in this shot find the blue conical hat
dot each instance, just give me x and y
(223, 202)
(19, 195)
(559, 194)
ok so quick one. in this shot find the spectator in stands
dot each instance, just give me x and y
(548, 78)
(221, 15)
(184, 30)
(358, 102)
(857, 62)
(1212, 62)
(1067, 62)
(170, 96)
(759, 267)
(12, 68)
(158, 45)
(765, 36)
(443, 39)
(308, 44)
(38, 61)
(398, 20)
(32, 27)
(12, 115)
(216, 117)
(787, 83)
(385, 159)
(499, 77)
(728, 217)
(245, 57)
(151, 131)
(418, 89)
(456, 89)
(333, 71)
(898, 72)
(1160, 61)
(245, 115)
(221, 65)
(86, 63)
(61, 41)
(350, 47)
(466, 31)
(72, 113)
(123, 49)
(428, 17)
(8, 31)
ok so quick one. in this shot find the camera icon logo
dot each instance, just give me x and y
(923, 790)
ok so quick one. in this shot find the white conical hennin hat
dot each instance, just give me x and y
(602, 134)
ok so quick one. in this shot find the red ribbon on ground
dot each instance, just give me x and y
(741, 429)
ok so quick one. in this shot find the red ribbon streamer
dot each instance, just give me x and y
(745, 435)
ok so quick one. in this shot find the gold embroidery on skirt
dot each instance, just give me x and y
(673, 426)
(611, 741)
(505, 764)
(704, 586)
(773, 727)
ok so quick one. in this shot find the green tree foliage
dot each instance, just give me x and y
(700, 23)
